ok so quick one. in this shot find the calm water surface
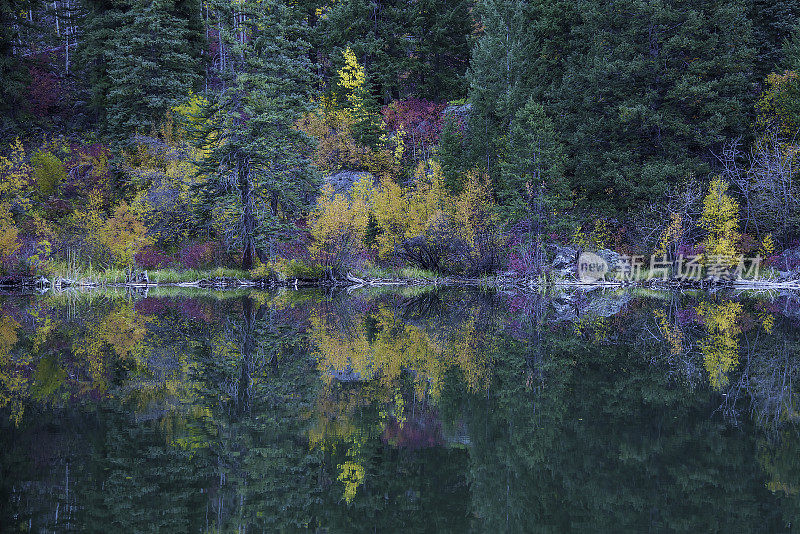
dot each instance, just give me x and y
(386, 412)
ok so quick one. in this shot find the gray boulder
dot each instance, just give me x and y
(565, 258)
(343, 181)
(613, 259)
(459, 113)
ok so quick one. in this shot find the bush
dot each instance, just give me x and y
(288, 270)
(49, 172)
(153, 258)
(302, 270)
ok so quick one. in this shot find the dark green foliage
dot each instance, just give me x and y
(259, 163)
(531, 184)
(791, 50)
(499, 77)
(140, 58)
(14, 77)
(410, 49)
(377, 31)
(643, 94)
(451, 155)
(773, 22)
(443, 29)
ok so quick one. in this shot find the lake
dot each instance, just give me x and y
(413, 410)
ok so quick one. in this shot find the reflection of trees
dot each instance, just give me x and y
(720, 347)
(441, 411)
(257, 385)
(419, 337)
(608, 443)
(13, 379)
(769, 379)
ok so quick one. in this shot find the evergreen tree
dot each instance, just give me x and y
(532, 183)
(443, 29)
(651, 93)
(451, 155)
(138, 59)
(258, 163)
(13, 71)
(643, 93)
(773, 22)
(378, 31)
(150, 68)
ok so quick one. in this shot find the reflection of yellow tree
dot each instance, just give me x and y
(13, 381)
(720, 348)
(121, 331)
(398, 346)
(672, 334)
(779, 462)
(377, 356)
(596, 326)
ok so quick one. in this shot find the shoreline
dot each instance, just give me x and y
(351, 282)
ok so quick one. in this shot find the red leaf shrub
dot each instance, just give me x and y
(422, 122)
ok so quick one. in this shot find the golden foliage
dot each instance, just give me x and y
(14, 383)
(8, 233)
(16, 178)
(672, 333)
(720, 347)
(339, 222)
(671, 235)
(720, 220)
(117, 336)
(773, 106)
(337, 149)
(599, 237)
(123, 235)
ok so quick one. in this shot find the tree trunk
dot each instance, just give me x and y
(248, 219)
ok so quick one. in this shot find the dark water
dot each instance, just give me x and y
(386, 412)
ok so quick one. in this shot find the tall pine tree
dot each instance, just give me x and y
(442, 30)
(258, 162)
(139, 58)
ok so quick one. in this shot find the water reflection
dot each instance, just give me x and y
(422, 411)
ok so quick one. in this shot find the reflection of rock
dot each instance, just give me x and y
(607, 304)
(564, 311)
(343, 181)
(594, 304)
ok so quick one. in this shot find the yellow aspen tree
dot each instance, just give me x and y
(16, 177)
(720, 220)
(123, 235)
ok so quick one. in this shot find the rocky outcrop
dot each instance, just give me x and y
(343, 181)
(613, 259)
(564, 261)
(459, 113)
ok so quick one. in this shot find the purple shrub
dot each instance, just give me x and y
(153, 258)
